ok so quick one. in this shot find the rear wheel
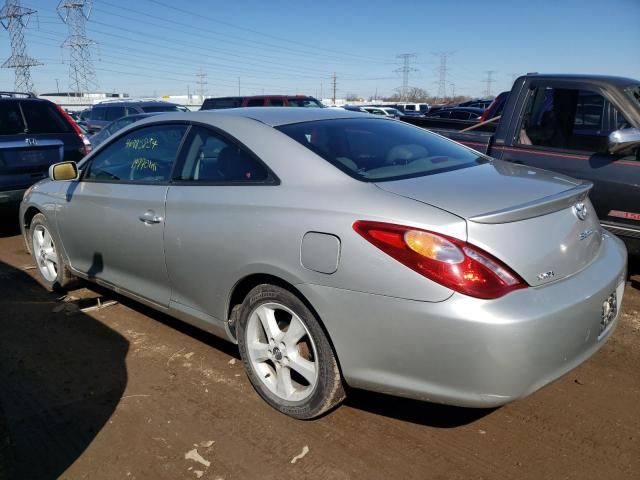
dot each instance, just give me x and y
(53, 271)
(287, 355)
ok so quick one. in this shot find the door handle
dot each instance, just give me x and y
(149, 217)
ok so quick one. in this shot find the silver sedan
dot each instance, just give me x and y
(339, 249)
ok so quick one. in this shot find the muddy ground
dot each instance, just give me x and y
(124, 392)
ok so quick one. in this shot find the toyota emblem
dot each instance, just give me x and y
(581, 211)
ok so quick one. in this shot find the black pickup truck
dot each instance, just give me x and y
(584, 126)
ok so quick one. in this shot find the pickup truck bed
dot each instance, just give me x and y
(562, 123)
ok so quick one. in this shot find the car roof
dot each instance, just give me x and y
(141, 103)
(272, 116)
(601, 80)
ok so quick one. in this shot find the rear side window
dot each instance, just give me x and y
(375, 150)
(218, 103)
(113, 113)
(276, 102)
(145, 155)
(43, 117)
(212, 158)
(160, 108)
(10, 119)
(304, 102)
(98, 113)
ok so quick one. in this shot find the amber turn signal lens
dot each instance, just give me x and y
(433, 246)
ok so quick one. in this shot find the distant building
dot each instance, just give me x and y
(74, 101)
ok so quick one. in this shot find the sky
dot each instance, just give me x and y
(158, 47)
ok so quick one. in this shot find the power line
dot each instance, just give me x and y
(334, 83)
(280, 39)
(489, 81)
(442, 74)
(202, 81)
(14, 19)
(406, 69)
(75, 13)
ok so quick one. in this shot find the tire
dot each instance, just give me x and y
(52, 269)
(287, 355)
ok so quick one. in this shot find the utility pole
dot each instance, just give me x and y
(405, 69)
(489, 81)
(202, 81)
(14, 19)
(75, 13)
(442, 73)
(238, 86)
(334, 83)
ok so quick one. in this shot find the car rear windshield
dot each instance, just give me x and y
(304, 102)
(41, 117)
(160, 108)
(377, 150)
(219, 103)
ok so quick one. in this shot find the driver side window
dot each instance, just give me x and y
(568, 119)
(145, 155)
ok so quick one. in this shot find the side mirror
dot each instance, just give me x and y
(63, 171)
(624, 140)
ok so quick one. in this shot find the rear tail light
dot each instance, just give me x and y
(86, 144)
(453, 263)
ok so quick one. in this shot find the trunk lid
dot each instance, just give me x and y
(524, 216)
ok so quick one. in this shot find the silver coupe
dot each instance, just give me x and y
(339, 249)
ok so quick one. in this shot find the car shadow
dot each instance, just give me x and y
(201, 335)
(62, 374)
(414, 411)
(634, 271)
(9, 223)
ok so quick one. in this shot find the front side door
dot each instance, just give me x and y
(112, 221)
(565, 130)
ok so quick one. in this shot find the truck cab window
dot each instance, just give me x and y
(568, 119)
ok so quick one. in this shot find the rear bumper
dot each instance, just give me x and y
(470, 352)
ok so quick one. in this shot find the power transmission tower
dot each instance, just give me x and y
(442, 74)
(75, 13)
(14, 19)
(489, 81)
(405, 69)
(334, 84)
(202, 81)
(453, 90)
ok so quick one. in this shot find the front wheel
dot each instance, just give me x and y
(287, 355)
(53, 271)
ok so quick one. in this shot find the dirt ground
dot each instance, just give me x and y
(124, 392)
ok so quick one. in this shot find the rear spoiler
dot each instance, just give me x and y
(536, 208)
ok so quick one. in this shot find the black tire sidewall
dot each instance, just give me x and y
(315, 404)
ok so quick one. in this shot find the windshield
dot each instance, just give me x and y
(161, 108)
(376, 150)
(304, 102)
